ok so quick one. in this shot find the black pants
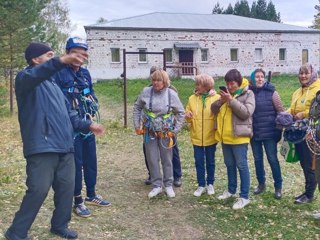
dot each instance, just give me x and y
(305, 156)
(44, 171)
(317, 171)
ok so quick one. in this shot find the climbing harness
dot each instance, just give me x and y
(313, 132)
(160, 127)
(84, 103)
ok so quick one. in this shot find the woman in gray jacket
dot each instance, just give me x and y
(158, 115)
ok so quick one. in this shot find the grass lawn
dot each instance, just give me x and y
(120, 179)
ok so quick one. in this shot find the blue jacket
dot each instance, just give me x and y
(77, 87)
(264, 125)
(45, 117)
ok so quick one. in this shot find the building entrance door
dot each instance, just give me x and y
(186, 60)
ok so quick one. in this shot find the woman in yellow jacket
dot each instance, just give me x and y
(201, 119)
(300, 104)
(234, 129)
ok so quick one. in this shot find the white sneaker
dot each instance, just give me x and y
(240, 203)
(316, 216)
(154, 192)
(199, 191)
(210, 189)
(226, 195)
(169, 191)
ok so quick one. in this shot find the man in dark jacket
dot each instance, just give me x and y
(46, 125)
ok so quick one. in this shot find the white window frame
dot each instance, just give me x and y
(140, 60)
(206, 51)
(169, 54)
(284, 54)
(258, 55)
(113, 57)
(237, 54)
(307, 51)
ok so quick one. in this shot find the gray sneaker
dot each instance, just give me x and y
(316, 215)
(81, 210)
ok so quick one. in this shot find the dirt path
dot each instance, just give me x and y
(120, 179)
(132, 215)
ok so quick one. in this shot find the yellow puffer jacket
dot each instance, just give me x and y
(302, 97)
(202, 131)
(234, 120)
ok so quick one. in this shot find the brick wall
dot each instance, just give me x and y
(217, 43)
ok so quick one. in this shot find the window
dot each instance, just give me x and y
(142, 55)
(305, 56)
(258, 55)
(234, 54)
(168, 53)
(282, 54)
(204, 55)
(115, 55)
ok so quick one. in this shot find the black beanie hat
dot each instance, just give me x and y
(35, 50)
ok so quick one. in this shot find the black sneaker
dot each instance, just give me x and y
(148, 181)
(303, 199)
(278, 194)
(12, 236)
(177, 182)
(65, 233)
(295, 198)
(259, 189)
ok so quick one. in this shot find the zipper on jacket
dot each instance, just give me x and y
(202, 122)
(46, 128)
(224, 115)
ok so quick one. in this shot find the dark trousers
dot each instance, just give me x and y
(46, 170)
(176, 164)
(305, 157)
(270, 147)
(86, 164)
(317, 171)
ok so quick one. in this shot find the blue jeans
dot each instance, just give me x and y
(235, 156)
(208, 153)
(270, 146)
(86, 164)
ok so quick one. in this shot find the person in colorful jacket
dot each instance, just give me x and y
(76, 84)
(201, 119)
(46, 124)
(299, 108)
(234, 129)
(265, 133)
(158, 114)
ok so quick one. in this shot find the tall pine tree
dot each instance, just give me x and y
(253, 11)
(271, 13)
(229, 9)
(261, 9)
(316, 21)
(242, 8)
(25, 21)
(16, 31)
(217, 9)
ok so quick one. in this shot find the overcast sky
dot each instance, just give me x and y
(82, 12)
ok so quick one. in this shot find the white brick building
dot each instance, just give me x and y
(212, 43)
